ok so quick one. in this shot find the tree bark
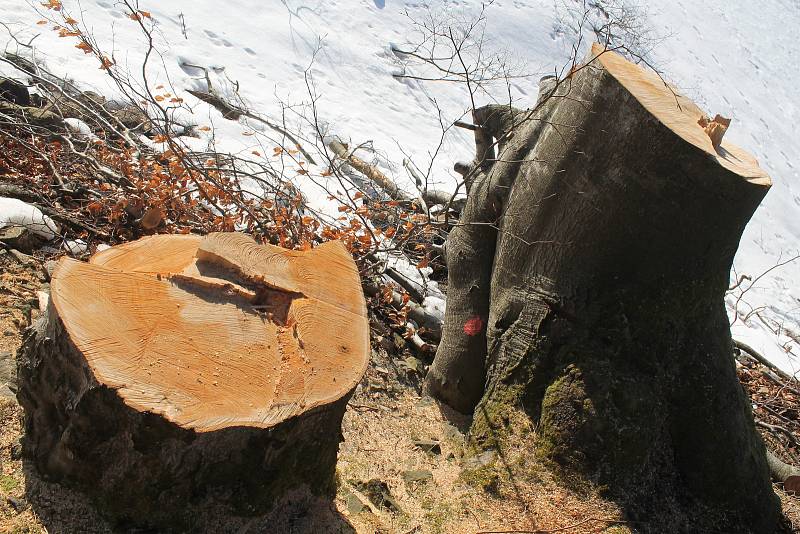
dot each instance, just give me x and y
(606, 320)
(205, 403)
(457, 375)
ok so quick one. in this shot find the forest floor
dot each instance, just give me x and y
(403, 466)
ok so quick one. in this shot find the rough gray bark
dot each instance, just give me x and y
(606, 320)
(457, 375)
(144, 471)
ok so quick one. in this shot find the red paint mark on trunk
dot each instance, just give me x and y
(473, 326)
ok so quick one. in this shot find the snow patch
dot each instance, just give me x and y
(14, 212)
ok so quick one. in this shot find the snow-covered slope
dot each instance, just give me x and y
(733, 57)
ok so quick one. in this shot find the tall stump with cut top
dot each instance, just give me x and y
(184, 373)
(599, 311)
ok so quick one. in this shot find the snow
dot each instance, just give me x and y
(75, 247)
(733, 57)
(79, 128)
(14, 212)
(434, 302)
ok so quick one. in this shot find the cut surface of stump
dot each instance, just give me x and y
(681, 115)
(211, 348)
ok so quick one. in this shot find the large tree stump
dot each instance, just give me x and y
(606, 320)
(180, 373)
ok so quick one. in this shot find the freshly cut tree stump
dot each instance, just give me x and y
(184, 373)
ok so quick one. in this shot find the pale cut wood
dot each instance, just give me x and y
(204, 355)
(678, 113)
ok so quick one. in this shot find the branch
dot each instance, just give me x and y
(385, 183)
(784, 473)
(762, 360)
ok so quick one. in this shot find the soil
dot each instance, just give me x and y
(404, 466)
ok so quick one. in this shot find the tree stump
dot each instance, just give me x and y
(606, 321)
(183, 373)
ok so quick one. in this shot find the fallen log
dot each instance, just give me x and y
(763, 361)
(178, 376)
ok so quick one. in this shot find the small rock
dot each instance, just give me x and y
(50, 266)
(374, 385)
(417, 476)
(8, 376)
(428, 445)
(481, 460)
(24, 259)
(43, 300)
(354, 504)
(378, 493)
(75, 247)
(453, 433)
(414, 364)
(7, 393)
(17, 503)
(14, 92)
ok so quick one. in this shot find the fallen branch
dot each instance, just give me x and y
(220, 104)
(405, 283)
(75, 224)
(762, 360)
(776, 429)
(234, 113)
(560, 529)
(13, 191)
(782, 472)
(782, 383)
(385, 183)
(418, 314)
(32, 115)
(429, 196)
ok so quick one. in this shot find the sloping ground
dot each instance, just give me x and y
(733, 58)
(403, 466)
(387, 453)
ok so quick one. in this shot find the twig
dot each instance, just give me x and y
(775, 429)
(762, 360)
(561, 529)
